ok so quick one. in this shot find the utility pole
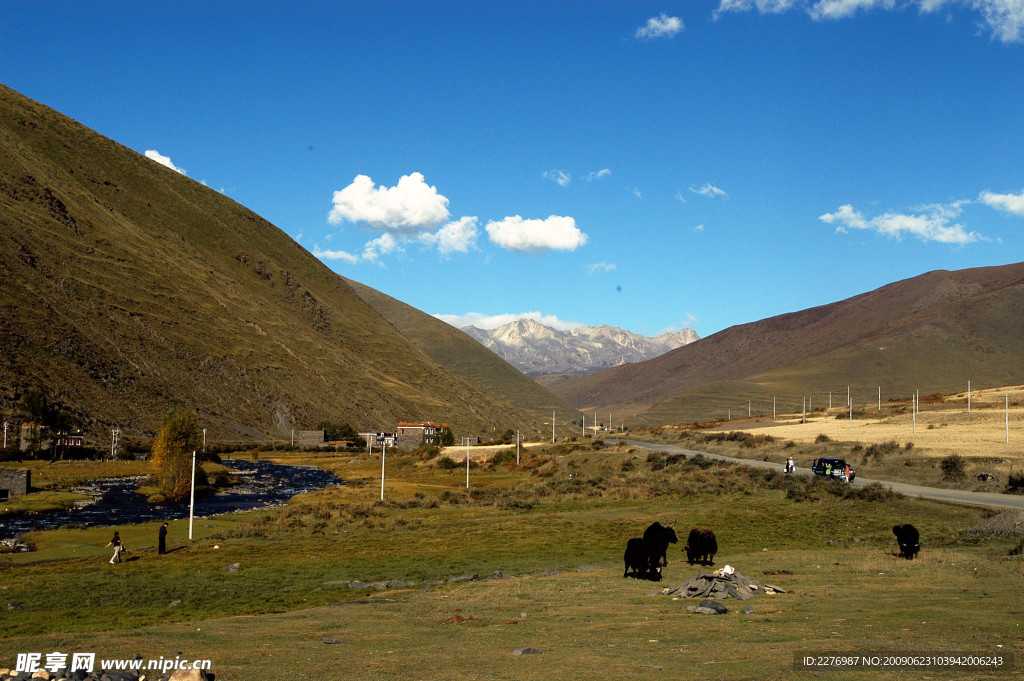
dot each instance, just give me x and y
(517, 447)
(465, 441)
(114, 434)
(552, 427)
(5, 434)
(204, 439)
(383, 456)
(968, 405)
(192, 496)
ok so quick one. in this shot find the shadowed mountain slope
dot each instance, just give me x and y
(933, 332)
(462, 354)
(129, 289)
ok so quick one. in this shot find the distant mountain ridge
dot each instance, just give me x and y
(536, 349)
(934, 332)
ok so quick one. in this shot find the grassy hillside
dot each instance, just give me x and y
(129, 289)
(455, 350)
(934, 332)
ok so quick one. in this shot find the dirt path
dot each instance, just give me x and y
(951, 495)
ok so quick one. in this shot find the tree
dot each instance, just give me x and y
(445, 438)
(172, 453)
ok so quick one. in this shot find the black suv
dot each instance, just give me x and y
(832, 467)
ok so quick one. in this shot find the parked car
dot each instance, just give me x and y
(832, 467)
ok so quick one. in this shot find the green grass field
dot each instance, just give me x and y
(831, 549)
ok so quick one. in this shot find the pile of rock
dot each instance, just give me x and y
(718, 585)
(16, 545)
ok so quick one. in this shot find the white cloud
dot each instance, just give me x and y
(383, 245)
(600, 267)
(1011, 203)
(1005, 18)
(709, 190)
(155, 155)
(932, 223)
(489, 322)
(458, 236)
(555, 233)
(560, 176)
(410, 206)
(335, 255)
(699, 228)
(637, 193)
(661, 26)
(598, 174)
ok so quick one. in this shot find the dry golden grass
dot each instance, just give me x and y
(943, 426)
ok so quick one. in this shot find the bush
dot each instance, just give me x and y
(445, 463)
(953, 467)
(1015, 483)
(172, 454)
(822, 438)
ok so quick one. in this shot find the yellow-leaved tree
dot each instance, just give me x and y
(179, 436)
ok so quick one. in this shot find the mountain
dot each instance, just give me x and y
(933, 332)
(536, 349)
(463, 355)
(129, 289)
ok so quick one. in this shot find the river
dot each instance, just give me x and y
(113, 501)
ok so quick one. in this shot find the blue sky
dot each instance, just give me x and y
(648, 165)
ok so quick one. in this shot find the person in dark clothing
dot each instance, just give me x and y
(118, 548)
(163, 539)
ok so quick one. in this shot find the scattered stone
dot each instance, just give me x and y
(432, 582)
(702, 611)
(332, 641)
(400, 584)
(526, 651)
(174, 604)
(379, 586)
(772, 589)
(234, 567)
(748, 610)
(357, 585)
(549, 573)
(588, 568)
(714, 605)
(15, 606)
(464, 578)
(651, 666)
(336, 582)
(500, 575)
(987, 477)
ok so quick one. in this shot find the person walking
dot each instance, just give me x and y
(162, 548)
(118, 548)
(790, 466)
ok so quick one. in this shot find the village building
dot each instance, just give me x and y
(411, 435)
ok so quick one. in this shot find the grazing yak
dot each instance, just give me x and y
(643, 558)
(660, 536)
(908, 539)
(701, 547)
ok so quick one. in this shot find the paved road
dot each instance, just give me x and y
(952, 495)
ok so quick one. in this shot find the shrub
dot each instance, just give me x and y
(1015, 483)
(172, 454)
(446, 463)
(953, 467)
(822, 438)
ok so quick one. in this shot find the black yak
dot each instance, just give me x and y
(701, 547)
(643, 558)
(659, 537)
(908, 539)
